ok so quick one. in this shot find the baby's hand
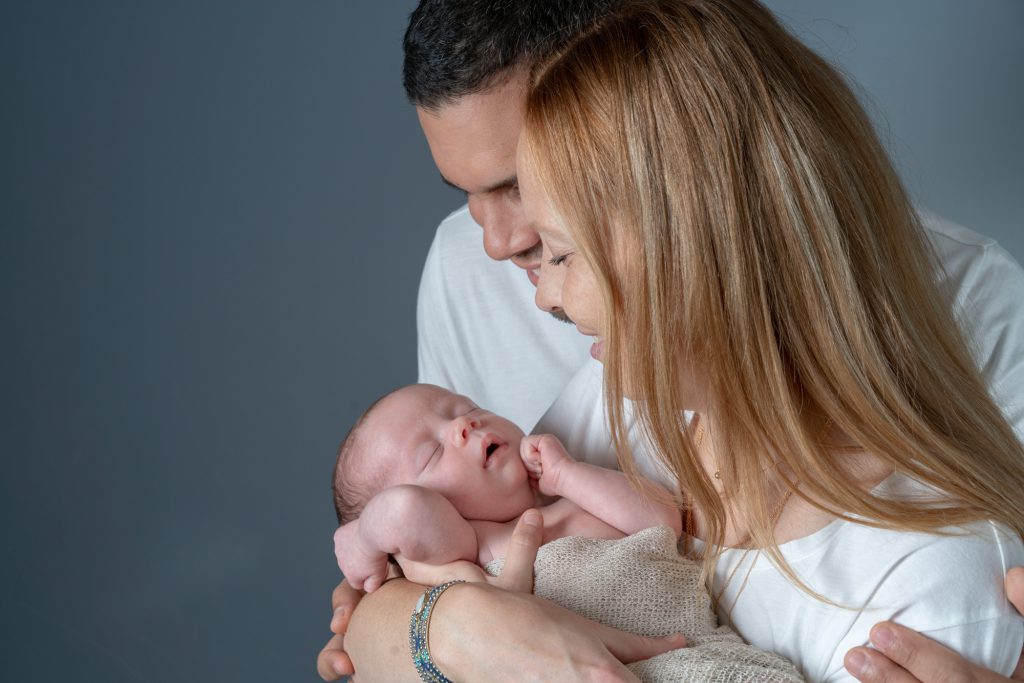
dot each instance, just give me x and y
(365, 568)
(546, 460)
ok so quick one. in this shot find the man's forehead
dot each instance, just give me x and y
(504, 97)
(473, 139)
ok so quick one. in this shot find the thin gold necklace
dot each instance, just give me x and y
(698, 439)
(776, 514)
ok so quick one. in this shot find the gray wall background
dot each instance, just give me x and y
(214, 216)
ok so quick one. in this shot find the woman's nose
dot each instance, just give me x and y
(460, 430)
(549, 289)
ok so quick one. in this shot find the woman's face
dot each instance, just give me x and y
(566, 284)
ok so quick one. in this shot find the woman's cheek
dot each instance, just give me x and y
(583, 301)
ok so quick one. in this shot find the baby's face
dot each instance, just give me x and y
(430, 437)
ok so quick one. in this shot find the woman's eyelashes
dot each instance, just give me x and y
(559, 260)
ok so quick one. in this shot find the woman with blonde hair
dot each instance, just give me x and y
(718, 213)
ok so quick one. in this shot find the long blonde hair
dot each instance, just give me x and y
(729, 193)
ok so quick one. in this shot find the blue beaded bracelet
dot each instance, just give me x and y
(419, 642)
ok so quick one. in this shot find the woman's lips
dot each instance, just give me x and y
(597, 348)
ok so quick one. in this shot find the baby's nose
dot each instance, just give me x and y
(461, 429)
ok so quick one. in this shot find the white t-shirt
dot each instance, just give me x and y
(946, 587)
(481, 335)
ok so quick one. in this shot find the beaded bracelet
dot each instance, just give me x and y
(419, 643)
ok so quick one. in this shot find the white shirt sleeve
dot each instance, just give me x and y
(985, 286)
(949, 588)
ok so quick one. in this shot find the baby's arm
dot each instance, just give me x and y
(409, 522)
(607, 494)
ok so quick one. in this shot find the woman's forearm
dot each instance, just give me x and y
(378, 634)
(377, 639)
(480, 632)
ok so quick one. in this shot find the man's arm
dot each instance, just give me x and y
(606, 494)
(410, 522)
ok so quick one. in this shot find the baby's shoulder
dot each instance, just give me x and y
(565, 518)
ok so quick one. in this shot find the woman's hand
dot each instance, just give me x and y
(905, 656)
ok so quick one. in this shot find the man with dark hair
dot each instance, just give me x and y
(466, 68)
(454, 49)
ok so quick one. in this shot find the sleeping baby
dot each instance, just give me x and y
(426, 476)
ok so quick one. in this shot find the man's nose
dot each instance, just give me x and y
(461, 429)
(506, 232)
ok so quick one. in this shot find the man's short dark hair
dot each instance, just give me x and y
(455, 48)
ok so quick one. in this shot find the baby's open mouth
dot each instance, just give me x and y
(490, 451)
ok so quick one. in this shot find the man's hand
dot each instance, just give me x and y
(904, 656)
(332, 663)
(546, 460)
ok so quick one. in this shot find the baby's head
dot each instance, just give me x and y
(428, 436)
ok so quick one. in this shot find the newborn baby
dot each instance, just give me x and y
(426, 476)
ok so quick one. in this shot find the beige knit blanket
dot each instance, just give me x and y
(643, 585)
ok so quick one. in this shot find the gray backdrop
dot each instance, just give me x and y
(214, 215)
